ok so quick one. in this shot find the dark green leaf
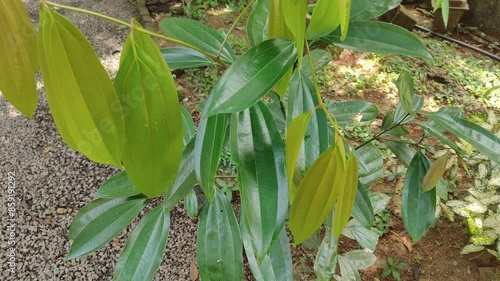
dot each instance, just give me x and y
(353, 112)
(257, 22)
(418, 208)
(219, 249)
(402, 151)
(261, 176)
(368, 9)
(438, 134)
(371, 163)
(191, 204)
(188, 128)
(185, 180)
(251, 76)
(117, 186)
(18, 57)
(82, 100)
(153, 119)
(100, 221)
(362, 210)
(278, 115)
(182, 58)
(480, 138)
(142, 254)
(209, 144)
(199, 35)
(320, 59)
(379, 37)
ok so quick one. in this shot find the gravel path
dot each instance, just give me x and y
(53, 182)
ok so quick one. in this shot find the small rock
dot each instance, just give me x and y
(60, 211)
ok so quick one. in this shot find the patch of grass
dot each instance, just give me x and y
(202, 80)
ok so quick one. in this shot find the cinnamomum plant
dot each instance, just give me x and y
(295, 168)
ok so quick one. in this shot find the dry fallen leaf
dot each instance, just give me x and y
(407, 242)
(48, 149)
(193, 271)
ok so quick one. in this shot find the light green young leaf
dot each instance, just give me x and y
(100, 221)
(153, 130)
(82, 100)
(406, 91)
(347, 195)
(434, 174)
(142, 254)
(191, 204)
(294, 12)
(18, 57)
(251, 76)
(325, 19)
(219, 246)
(294, 137)
(117, 186)
(188, 128)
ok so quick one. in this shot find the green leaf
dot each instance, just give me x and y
(360, 259)
(261, 176)
(362, 209)
(18, 57)
(191, 204)
(371, 163)
(188, 128)
(142, 254)
(379, 37)
(367, 9)
(320, 59)
(257, 22)
(318, 192)
(344, 7)
(434, 174)
(153, 130)
(251, 76)
(347, 194)
(82, 100)
(199, 35)
(445, 11)
(326, 258)
(480, 138)
(100, 221)
(379, 201)
(418, 208)
(406, 92)
(117, 186)
(276, 265)
(278, 115)
(353, 112)
(301, 99)
(436, 131)
(347, 270)
(294, 137)
(182, 58)
(209, 144)
(365, 237)
(325, 19)
(185, 180)
(402, 151)
(219, 247)
(294, 12)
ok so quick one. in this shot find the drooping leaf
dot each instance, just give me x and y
(199, 35)
(402, 151)
(219, 247)
(208, 147)
(370, 162)
(320, 59)
(367, 9)
(257, 23)
(185, 180)
(362, 209)
(294, 137)
(294, 12)
(82, 100)
(153, 130)
(352, 112)
(188, 128)
(261, 176)
(18, 57)
(379, 37)
(251, 76)
(142, 254)
(345, 201)
(325, 19)
(438, 133)
(326, 258)
(418, 208)
(191, 204)
(365, 237)
(480, 138)
(360, 259)
(117, 186)
(434, 174)
(406, 91)
(317, 192)
(182, 58)
(344, 7)
(445, 10)
(100, 221)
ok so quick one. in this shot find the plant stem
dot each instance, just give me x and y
(141, 29)
(377, 135)
(233, 26)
